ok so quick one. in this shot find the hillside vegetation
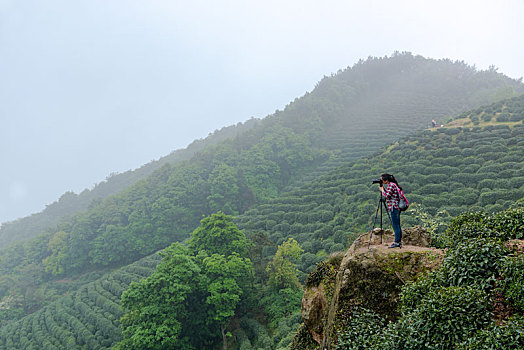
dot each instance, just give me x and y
(281, 163)
(323, 213)
(70, 203)
(467, 296)
(452, 168)
(89, 317)
(334, 124)
(473, 301)
(339, 115)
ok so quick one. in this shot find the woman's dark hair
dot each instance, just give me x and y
(390, 178)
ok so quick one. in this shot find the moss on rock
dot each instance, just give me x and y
(369, 278)
(303, 340)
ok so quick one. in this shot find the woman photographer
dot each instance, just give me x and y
(392, 195)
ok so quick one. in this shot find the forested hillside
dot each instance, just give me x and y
(472, 163)
(340, 113)
(281, 163)
(70, 203)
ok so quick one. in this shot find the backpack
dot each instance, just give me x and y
(403, 203)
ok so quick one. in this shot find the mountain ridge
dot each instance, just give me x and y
(69, 203)
(103, 231)
(82, 294)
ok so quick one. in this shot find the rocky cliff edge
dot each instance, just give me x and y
(369, 275)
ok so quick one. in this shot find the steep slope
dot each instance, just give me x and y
(325, 215)
(451, 168)
(257, 166)
(401, 93)
(341, 113)
(378, 298)
(338, 287)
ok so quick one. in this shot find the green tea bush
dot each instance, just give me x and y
(509, 222)
(413, 293)
(509, 335)
(487, 117)
(467, 230)
(363, 331)
(513, 281)
(445, 318)
(504, 117)
(469, 216)
(473, 261)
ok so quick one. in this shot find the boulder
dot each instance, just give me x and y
(314, 306)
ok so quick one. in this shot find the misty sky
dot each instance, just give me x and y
(88, 88)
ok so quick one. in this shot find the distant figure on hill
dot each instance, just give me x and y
(434, 123)
(392, 195)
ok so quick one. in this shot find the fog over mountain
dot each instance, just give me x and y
(90, 88)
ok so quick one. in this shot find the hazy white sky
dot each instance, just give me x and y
(91, 87)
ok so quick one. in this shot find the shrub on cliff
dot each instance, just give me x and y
(447, 316)
(473, 262)
(509, 335)
(505, 225)
(363, 331)
(513, 281)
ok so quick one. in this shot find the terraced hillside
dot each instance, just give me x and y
(392, 93)
(88, 318)
(335, 124)
(455, 168)
(465, 165)
(341, 115)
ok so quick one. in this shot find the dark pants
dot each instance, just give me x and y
(395, 221)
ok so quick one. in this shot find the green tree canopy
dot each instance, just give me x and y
(156, 306)
(227, 279)
(194, 292)
(282, 270)
(57, 246)
(218, 234)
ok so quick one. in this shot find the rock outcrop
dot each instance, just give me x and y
(369, 275)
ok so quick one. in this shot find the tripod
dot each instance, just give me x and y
(381, 204)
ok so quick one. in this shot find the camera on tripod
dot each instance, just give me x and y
(378, 181)
(381, 205)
